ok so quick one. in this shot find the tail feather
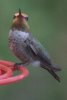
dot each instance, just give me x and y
(54, 75)
(52, 70)
(56, 67)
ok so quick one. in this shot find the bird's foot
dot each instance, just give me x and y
(16, 65)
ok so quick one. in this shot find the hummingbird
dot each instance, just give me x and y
(27, 48)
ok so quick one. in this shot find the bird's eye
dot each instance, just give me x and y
(14, 17)
(27, 18)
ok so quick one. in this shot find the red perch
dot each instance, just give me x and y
(6, 72)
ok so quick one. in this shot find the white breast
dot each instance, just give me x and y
(24, 35)
(18, 34)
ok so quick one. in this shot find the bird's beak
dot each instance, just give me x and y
(20, 12)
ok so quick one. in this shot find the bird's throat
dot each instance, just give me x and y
(23, 26)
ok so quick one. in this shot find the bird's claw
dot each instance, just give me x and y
(16, 65)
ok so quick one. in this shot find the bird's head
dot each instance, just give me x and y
(20, 21)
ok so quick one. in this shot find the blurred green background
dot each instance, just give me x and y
(48, 23)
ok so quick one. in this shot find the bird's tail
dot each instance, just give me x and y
(52, 70)
(55, 67)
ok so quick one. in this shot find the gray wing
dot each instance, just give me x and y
(37, 51)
